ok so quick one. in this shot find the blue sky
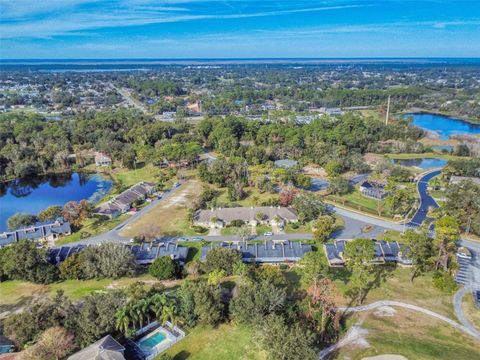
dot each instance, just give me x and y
(238, 29)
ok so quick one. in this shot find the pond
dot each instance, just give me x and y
(444, 126)
(33, 195)
(422, 163)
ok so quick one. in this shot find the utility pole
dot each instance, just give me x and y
(388, 111)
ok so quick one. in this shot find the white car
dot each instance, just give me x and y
(268, 233)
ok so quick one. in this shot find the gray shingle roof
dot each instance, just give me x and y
(385, 251)
(147, 253)
(123, 201)
(268, 252)
(35, 232)
(107, 348)
(246, 214)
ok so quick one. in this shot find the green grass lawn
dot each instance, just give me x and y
(413, 335)
(404, 156)
(92, 227)
(254, 197)
(127, 177)
(223, 342)
(472, 312)
(14, 293)
(357, 201)
(397, 286)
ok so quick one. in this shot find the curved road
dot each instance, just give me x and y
(426, 201)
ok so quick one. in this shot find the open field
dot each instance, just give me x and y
(15, 293)
(127, 178)
(472, 312)
(223, 342)
(397, 286)
(170, 216)
(411, 334)
(404, 156)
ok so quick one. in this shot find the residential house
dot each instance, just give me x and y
(146, 253)
(123, 202)
(269, 252)
(102, 159)
(107, 348)
(373, 190)
(220, 217)
(49, 231)
(385, 252)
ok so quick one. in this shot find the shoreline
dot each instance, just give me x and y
(439, 113)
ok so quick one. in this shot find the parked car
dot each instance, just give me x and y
(197, 238)
(477, 298)
(268, 233)
(182, 239)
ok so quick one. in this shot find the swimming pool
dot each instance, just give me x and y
(152, 341)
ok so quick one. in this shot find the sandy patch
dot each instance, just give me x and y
(383, 311)
(385, 357)
(355, 337)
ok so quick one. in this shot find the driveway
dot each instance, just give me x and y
(426, 201)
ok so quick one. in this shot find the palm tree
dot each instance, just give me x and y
(169, 313)
(157, 302)
(122, 320)
(144, 307)
(137, 308)
(132, 311)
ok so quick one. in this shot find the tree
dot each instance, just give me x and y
(54, 343)
(243, 232)
(359, 255)
(320, 309)
(284, 342)
(287, 195)
(254, 300)
(333, 168)
(400, 201)
(323, 228)
(215, 276)
(220, 258)
(463, 203)
(339, 186)
(23, 260)
(421, 251)
(447, 231)
(163, 268)
(208, 307)
(50, 213)
(187, 303)
(19, 220)
(309, 207)
(75, 212)
(106, 260)
(97, 316)
(26, 326)
(313, 266)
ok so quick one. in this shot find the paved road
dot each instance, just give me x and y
(457, 306)
(113, 234)
(426, 201)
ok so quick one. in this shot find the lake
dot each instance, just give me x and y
(34, 195)
(444, 126)
(422, 163)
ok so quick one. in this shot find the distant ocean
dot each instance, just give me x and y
(105, 65)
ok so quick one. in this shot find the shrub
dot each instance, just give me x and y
(444, 282)
(163, 268)
(237, 223)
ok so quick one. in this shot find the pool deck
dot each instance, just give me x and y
(166, 343)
